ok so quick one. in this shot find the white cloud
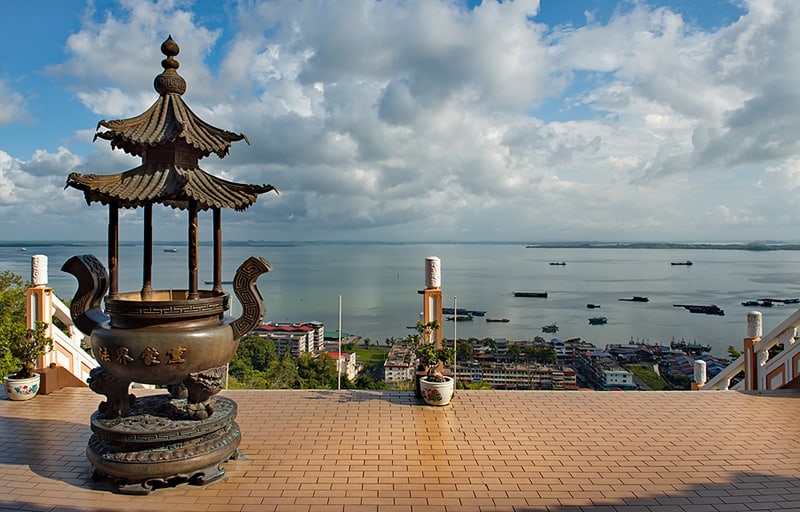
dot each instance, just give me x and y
(13, 107)
(418, 118)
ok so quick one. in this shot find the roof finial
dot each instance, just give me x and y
(169, 81)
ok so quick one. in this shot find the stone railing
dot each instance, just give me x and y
(43, 306)
(759, 370)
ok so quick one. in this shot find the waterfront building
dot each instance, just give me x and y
(399, 364)
(602, 371)
(346, 364)
(519, 376)
(294, 338)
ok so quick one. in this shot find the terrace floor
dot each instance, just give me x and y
(488, 450)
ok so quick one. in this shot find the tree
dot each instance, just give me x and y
(317, 372)
(282, 374)
(364, 381)
(254, 353)
(464, 351)
(12, 317)
(513, 351)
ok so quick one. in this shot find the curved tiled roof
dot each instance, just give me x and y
(170, 139)
(168, 120)
(167, 184)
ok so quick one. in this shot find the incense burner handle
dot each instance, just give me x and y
(86, 308)
(244, 286)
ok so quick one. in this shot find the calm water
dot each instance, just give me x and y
(379, 283)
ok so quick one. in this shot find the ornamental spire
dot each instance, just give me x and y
(169, 81)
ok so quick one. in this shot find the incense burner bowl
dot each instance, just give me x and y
(167, 339)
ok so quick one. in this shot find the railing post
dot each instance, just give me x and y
(39, 301)
(754, 329)
(699, 375)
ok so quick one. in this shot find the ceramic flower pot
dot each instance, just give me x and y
(437, 393)
(21, 389)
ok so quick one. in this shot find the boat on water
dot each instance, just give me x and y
(598, 320)
(498, 320)
(224, 282)
(171, 250)
(561, 263)
(459, 318)
(21, 249)
(686, 263)
(690, 348)
(542, 295)
(637, 298)
(592, 306)
(463, 311)
(713, 309)
(550, 329)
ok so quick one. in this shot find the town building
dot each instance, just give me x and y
(346, 364)
(399, 364)
(294, 338)
(602, 371)
(518, 375)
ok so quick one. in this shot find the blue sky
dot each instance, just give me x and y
(425, 119)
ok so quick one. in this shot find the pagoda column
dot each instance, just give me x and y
(193, 288)
(147, 257)
(217, 251)
(113, 250)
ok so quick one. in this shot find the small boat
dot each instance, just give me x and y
(690, 348)
(713, 309)
(171, 250)
(550, 329)
(592, 306)
(637, 298)
(598, 320)
(462, 311)
(224, 282)
(561, 263)
(782, 301)
(21, 249)
(459, 318)
(687, 263)
(498, 320)
(542, 295)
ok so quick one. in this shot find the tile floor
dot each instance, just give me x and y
(487, 451)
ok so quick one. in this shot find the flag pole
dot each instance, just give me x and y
(455, 340)
(339, 355)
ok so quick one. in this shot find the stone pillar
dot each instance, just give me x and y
(754, 330)
(432, 297)
(39, 301)
(700, 377)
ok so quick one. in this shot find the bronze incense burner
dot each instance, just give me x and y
(178, 339)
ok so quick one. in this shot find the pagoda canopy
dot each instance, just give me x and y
(171, 140)
(169, 119)
(166, 184)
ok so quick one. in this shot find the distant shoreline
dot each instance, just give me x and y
(752, 246)
(727, 246)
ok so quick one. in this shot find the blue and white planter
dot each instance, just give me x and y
(437, 393)
(21, 389)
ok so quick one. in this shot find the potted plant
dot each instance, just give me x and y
(435, 388)
(24, 383)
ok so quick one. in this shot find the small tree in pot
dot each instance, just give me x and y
(436, 388)
(24, 383)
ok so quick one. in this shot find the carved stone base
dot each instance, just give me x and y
(159, 445)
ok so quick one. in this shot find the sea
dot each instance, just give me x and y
(379, 286)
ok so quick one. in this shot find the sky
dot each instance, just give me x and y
(422, 120)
